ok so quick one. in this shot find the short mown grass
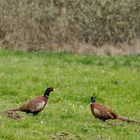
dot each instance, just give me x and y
(115, 81)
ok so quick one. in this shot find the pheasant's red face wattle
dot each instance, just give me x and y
(50, 89)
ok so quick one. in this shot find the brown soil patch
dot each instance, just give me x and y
(11, 114)
(63, 136)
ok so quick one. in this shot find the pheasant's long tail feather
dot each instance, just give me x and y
(11, 110)
(127, 119)
(17, 109)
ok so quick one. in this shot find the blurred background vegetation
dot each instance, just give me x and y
(65, 25)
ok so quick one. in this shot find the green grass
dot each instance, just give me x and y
(114, 81)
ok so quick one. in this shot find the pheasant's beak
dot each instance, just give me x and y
(54, 89)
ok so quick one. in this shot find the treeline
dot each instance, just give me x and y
(53, 24)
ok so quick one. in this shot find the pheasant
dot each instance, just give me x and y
(35, 105)
(104, 113)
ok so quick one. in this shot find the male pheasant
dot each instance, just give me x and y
(104, 113)
(37, 104)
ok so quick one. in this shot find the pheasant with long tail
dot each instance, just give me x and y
(35, 105)
(104, 113)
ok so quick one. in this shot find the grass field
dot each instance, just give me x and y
(115, 81)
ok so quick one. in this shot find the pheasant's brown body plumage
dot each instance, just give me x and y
(35, 105)
(104, 113)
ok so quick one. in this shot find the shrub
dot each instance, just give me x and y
(40, 24)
